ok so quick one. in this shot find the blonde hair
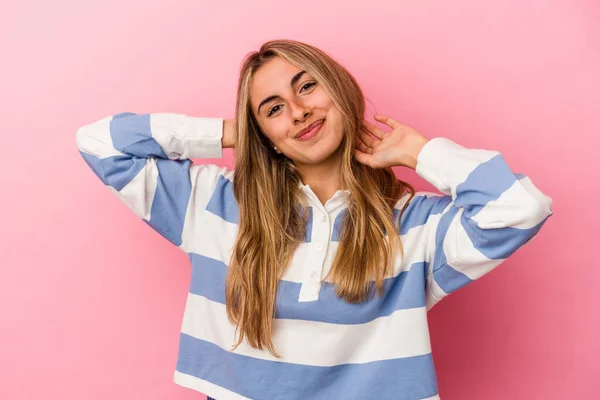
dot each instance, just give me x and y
(273, 212)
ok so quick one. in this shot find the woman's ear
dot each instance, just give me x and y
(273, 146)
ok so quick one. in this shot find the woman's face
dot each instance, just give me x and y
(284, 101)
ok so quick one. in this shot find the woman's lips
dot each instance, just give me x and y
(312, 132)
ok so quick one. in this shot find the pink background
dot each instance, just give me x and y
(91, 299)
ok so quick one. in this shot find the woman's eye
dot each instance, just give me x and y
(275, 109)
(310, 84)
(271, 111)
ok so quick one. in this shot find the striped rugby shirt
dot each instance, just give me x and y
(330, 349)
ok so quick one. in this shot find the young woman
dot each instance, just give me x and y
(313, 266)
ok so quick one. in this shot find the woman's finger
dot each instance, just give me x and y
(362, 146)
(367, 139)
(388, 121)
(372, 129)
(363, 153)
(362, 157)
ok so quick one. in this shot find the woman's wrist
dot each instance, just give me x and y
(228, 139)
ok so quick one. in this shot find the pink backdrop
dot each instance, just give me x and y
(91, 299)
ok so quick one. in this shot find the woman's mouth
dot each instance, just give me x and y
(311, 132)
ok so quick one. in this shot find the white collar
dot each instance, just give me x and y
(338, 199)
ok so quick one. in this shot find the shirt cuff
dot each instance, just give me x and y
(203, 138)
(433, 158)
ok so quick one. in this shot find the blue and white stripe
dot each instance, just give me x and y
(330, 348)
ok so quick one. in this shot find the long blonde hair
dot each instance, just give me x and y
(273, 211)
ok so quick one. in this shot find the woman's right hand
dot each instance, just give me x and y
(229, 133)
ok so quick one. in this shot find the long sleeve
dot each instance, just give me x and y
(145, 160)
(485, 214)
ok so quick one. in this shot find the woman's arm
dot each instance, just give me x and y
(486, 213)
(229, 133)
(145, 160)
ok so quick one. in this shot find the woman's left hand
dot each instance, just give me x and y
(401, 146)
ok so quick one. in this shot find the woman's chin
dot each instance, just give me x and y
(316, 157)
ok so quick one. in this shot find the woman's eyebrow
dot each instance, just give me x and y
(293, 81)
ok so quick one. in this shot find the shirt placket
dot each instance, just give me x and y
(317, 253)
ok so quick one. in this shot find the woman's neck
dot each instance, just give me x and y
(324, 178)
